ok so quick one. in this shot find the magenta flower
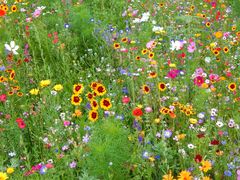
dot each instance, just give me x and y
(199, 80)
(173, 73)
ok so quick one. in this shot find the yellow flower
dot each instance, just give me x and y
(34, 91)
(45, 83)
(76, 100)
(10, 170)
(168, 176)
(172, 65)
(193, 121)
(58, 87)
(77, 113)
(105, 103)
(157, 120)
(93, 115)
(218, 34)
(152, 159)
(3, 176)
(78, 88)
(232, 86)
(206, 166)
(185, 175)
(181, 136)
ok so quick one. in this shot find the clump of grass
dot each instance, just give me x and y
(109, 149)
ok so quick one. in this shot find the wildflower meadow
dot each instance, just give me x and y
(120, 89)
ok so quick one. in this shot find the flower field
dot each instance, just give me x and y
(120, 89)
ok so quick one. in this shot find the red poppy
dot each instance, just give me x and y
(198, 158)
(137, 112)
(2, 13)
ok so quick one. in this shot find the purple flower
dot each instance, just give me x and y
(85, 138)
(73, 164)
(167, 133)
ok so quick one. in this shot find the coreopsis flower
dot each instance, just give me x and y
(162, 86)
(76, 100)
(105, 103)
(78, 88)
(93, 115)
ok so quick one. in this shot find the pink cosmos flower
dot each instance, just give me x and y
(191, 47)
(199, 80)
(150, 44)
(3, 98)
(214, 77)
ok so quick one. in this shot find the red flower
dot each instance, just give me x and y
(201, 135)
(2, 12)
(215, 142)
(21, 123)
(199, 80)
(198, 158)
(137, 112)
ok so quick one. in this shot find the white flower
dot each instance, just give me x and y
(219, 124)
(145, 17)
(203, 129)
(201, 115)
(54, 93)
(137, 20)
(157, 29)
(177, 45)
(12, 154)
(191, 146)
(207, 59)
(12, 47)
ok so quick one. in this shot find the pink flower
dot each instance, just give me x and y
(199, 80)
(3, 97)
(173, 73)
(66, 123)
(192, 47)
(125, 100)
(151, 44)
(214, 77)
(199, 71)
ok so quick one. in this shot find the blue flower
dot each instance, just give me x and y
(227, 173)
(43, 170)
